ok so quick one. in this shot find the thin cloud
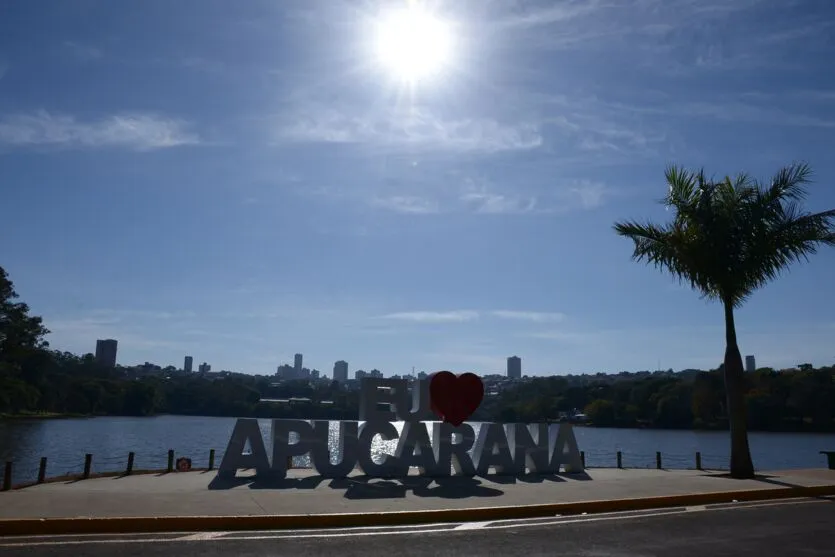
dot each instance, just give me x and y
(135, 131)
(495, 203)
(533, 316)
(459, 316)
(406, 204)
(412, 129)
(83, 52)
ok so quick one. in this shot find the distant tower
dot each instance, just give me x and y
(188, 364)
(106, 352)
(750, 364)
(514, 367)
(297, 365)
(340, 371)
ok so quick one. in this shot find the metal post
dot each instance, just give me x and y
(620, 460)
(698, 460)
(129, 469)
(583, 459)
(658, 459)
(42, 471)
(211, 459)
(88, 465)
(170, 460)
(7, 476)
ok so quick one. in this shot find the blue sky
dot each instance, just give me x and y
(240, 183)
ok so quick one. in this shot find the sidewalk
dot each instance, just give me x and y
(200, 494)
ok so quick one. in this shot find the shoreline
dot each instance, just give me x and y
(717, 429)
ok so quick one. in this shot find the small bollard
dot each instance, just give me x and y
(658, 459)
(170, 460)
(42, 471)
(211, 459)
(7, 476)
(88, 465)
(620, 460)
(129, 469)
(698, 460)
(583, 459)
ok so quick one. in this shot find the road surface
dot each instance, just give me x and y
(797, 527)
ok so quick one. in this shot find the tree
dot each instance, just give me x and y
(727, 239)
(19, 332)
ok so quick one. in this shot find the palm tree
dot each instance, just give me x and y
(727, 239)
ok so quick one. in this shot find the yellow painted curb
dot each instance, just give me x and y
(114, 525)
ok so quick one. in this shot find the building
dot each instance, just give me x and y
(297, 365)
(514, 367)
(340, 371)
(376, 373)
(750, 364)
(204, 368)
(106, 352)
(188, 364)
(359, 375)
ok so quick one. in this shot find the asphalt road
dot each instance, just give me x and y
(785, 528)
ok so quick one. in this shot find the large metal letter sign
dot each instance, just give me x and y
(284, 449)
(452, 445)
(415, 450)
(491, 450)
(391, 393)
(508, 449)
(564, 450)
(530, 448)
(389, 467)
(246, 429)
(347, 448)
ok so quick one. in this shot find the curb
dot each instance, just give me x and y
(137, 525)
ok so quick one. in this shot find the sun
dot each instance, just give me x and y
(412, 44)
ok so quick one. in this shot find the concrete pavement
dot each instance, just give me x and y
(200, 501)
(775, 528)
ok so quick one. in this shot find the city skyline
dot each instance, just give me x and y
(106, 353)
(265, 180)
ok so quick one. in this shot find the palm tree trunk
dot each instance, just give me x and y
(742, 466)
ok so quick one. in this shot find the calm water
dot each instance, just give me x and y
(64, 443)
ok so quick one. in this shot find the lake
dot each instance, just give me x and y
(110, 439)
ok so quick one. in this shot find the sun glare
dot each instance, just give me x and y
(413, 44)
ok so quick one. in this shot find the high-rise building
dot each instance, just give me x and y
(750, 364)
(340, 371)
(514, 367)
(297, 365)
(188, 364)
(359, 375)
(376, 373)
(204, 368)
(106, 352)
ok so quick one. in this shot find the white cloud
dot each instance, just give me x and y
(495, 203)
(590, 194)
(406, 204)
(534, 316)
(434, 316)
(413, 128)
(83, 52)
(137, 131)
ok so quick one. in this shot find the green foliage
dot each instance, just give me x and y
(731, 237)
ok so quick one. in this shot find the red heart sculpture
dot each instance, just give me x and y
(455, 398)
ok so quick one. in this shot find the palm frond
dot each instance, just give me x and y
(730, 237)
